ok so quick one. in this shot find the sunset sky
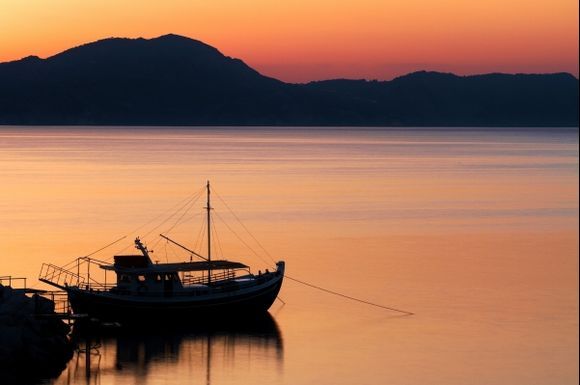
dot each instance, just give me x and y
(300, 40)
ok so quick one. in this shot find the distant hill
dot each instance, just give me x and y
(174, 80)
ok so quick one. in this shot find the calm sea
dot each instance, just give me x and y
(475, 231)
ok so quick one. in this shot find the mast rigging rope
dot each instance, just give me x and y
(347, 296)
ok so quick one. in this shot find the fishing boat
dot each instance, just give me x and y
(144, 289)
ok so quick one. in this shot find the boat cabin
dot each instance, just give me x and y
(137, 274)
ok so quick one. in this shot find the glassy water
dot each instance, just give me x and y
(475, 231)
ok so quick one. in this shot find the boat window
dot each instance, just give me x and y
(124, 278)
(141, 278)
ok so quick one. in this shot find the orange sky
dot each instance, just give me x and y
(302, 40)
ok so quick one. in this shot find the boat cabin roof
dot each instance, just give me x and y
(140, 268)
(128, 261)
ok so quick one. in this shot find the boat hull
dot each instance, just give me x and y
(107, 306)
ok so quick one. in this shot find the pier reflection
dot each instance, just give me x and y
(201, 354)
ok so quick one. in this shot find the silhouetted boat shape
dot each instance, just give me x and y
(169, 291)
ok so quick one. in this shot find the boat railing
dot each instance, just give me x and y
(59, 276)
(222, 276)
(97, 286)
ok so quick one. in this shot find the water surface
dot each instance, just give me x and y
(475, 231)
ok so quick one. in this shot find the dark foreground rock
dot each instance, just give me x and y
(31, 348)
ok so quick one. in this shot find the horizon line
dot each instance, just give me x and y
(174, 35)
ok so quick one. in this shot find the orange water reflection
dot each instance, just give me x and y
(475, 231)
(187, 354)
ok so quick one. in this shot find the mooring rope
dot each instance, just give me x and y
(347, 296)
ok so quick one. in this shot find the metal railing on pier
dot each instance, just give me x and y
(60, 300)
(8, 280)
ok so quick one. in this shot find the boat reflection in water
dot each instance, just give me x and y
(240, 351)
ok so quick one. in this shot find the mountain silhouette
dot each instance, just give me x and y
(174, 80)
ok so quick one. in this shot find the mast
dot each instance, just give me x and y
(208, 207)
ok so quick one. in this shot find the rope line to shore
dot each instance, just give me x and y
(348, 296)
